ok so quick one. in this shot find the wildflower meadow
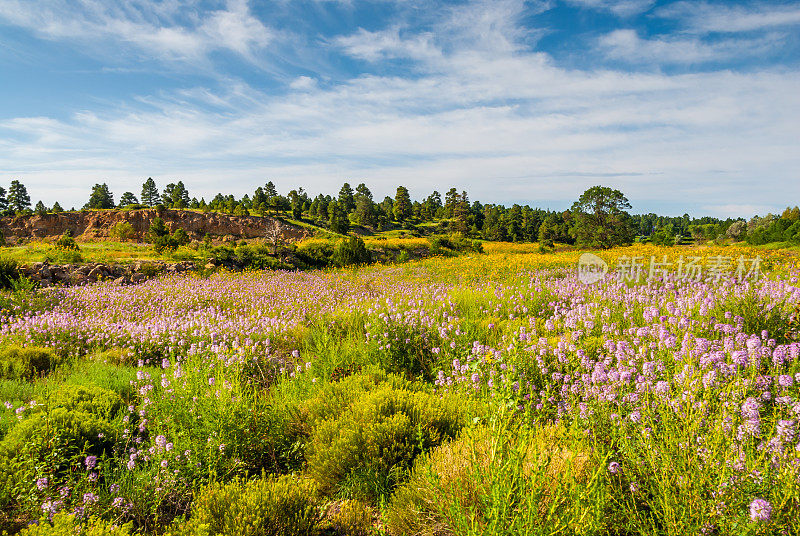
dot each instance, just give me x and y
(483, 394)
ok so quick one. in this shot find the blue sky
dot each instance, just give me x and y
(685, 106)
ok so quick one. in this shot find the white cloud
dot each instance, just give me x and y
(622, 8)
(706, 17)
(626, 45)
(482, 112)
(153, 28)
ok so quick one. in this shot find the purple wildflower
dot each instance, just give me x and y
(760, 510)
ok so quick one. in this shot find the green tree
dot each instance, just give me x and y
(365, 211)
(56, 208)
(296, 204)
(270, 191)
(158, 229)
(176, 196)
(600, 219)
(402, 204)
(101, 197)
(40, 209)
(346, 200)
(150, 196)
(128, 199)
(337, 218)
(3, 200)
(18, 198)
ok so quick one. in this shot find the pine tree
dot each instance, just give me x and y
(402, 204)
(337, 218)
(18, 198)
(150, 195)
(56, 208)
(346, 200)
(3, 200)
(270, 191)
(40, 209)
(128, 199)
(101, 197)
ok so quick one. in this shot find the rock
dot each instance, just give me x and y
(90, 225)
(138, 277)
(121, 281)
(95, 274)
(210, 266)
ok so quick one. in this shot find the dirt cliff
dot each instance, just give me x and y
(96, 225)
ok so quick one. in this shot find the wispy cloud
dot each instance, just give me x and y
(622, 8)
(626, 45)
(484, 110)
(152, 28)
(706, 17)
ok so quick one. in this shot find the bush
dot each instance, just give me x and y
(516, 479)
(256, 257)
(268, 506)
(66, 243)
(9, 273)
(51, 444)
(98, 401)
(351, 251)
(316, 254)
(18, 363)
(122, 231)
(64, 524)
(365, 450)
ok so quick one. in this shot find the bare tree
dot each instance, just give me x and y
(275, 235)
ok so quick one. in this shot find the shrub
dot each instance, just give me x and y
(66, 243)
(9, 273)
(122, 231)
(351, 251)
(78, 430)
(25, 363)
(350, 518)
(263, 507)
(64, 524)
(364, 451)
(316, 254)
(51, 444)
(516, 479)
(255, 256)
(93, 399)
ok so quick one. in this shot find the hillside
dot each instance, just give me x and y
(97, 225)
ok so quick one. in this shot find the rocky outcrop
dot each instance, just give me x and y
(47, 275)
(97, 225)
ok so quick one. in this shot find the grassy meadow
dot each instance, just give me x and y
(483, 394)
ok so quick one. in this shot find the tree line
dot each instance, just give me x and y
(600, 218)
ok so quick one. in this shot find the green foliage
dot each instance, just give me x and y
(123, 231)
(92, 399)
(157, 229)
(600, 218)
(66, 243)
(402, 208)
(150, 194)
(256, 256)
(364, 451)
(267, 506)
(18, 198)
(453, 244)
(64, 524)
(503, 480)
(49, 443)
(351, 251)
(101, 197)
(25, 363)
(9, 273)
